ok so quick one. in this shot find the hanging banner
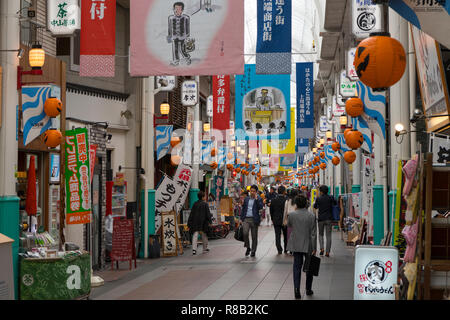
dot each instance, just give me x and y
(431, 78)
(305, 100)
(166, 83)
(183, 38)
(34, 119)
(183, 178)
(351, 70)
(274, 37)
(98, 38)
(218, 187)
(221, 103)
(163, 136)
(63, 17)
(166, 196)
(324, 126)
(92, 155)
(302, 145)
(261, 104)
(207, 146)
(347, 87)
(77, 172)
(374, 108)
(282, 147)
(188, 136)
(432, 17)
(367, 193)
(366, 18)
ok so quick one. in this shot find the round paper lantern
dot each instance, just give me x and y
(213, 152)
(238, 170)
(175, 160)
(335, 146)
(323, 166)
(247, 165)
(316, 159)
(354, 107)
(229, 155)
(346, 131)
(253, 173)
(354, 139)
(230, 167)
(52, 138)
(322, 155)
(213, 164)
(335, 160)
(52, 107)
(349, 156)
(174, 141)
(380, 61)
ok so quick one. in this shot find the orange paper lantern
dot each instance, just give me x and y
(349, 156)
(335, 160)
(335, 146)
(354, 107)
(380, 61)
(52, 107)
(229, 155)
(174, 141)
(354, 139)
(346, 131)
(213, 152)
(52, 138)
(322, 155)
(323, 166)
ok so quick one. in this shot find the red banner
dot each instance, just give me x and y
(98, 38)
(221, 98)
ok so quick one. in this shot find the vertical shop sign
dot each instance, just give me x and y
(375, 275)
(189, 93)
(274, 41)
(221, 102)
(351, 71)
(92, 155)
(347, 87)
(77, 171)
(183, 178)
(63, 16)
(98, 38)
(366, 17)
(165, 197)
(169, 234)
(367, 194)
(305, 100)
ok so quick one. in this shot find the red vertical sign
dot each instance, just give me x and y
(98, 38)
(221, 96)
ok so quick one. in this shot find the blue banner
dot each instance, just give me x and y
(262, 106)
(302, 146)
(305, 100)
(163, 136)
(274, 40)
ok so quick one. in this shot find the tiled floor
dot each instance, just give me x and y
(224, 273)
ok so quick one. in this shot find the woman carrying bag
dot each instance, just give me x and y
(302, 242)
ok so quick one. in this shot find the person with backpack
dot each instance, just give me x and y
(276, 213)
(324, 203)
(199, 221)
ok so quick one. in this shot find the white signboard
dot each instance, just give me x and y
(366, 18)
(340, 101)
(209, 106)
(166, 83)
(367, 193)
(324, 125)
(183, 178)
(213, 211)
(376, 269)
(169, 235)
(338, 110)
(189, 93)
(351, 71)
(166, 195)
(63, 16)
(347, 87)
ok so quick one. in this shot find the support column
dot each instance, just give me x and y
(412, 88)
(9, 202)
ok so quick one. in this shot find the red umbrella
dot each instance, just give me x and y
(30, 207)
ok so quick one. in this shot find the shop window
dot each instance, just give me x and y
(75, 52)
(27, 31)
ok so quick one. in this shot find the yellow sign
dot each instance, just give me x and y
(285, 146)
(313, 197)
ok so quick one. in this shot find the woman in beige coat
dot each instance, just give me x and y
(302, 242)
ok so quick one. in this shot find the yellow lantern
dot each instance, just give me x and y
(164, 108)
(36, 56)
(206, 127)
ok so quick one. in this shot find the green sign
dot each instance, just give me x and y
(77, 177)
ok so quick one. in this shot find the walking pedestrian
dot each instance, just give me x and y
(270, 195)
(324, 203)
(288, 208)
(250, 217)
(276, 213)
(199, 221)
(301, 242)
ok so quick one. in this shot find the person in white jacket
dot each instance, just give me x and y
(288, 208)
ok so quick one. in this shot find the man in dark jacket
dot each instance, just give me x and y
(277, 213)
(199, 221)
(250, 216)
(325, 205)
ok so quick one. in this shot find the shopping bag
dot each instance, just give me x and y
(311, 264)
(239, 233)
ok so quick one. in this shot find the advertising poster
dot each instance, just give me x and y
(184, 38)
(281, 147)
(98, 38)
(54, 167)
(77, 172)
(262, 102)
(274, 37)
(376, 270)
(305, 100)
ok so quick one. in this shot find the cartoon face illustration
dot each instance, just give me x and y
(178, 8)
(375, 272)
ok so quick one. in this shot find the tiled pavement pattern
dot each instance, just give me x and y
(224, 273)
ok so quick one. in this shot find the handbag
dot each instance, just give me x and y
(239, 233)
(311, 264)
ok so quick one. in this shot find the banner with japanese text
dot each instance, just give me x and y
(184, 38)
(98, 38)
(305, 100)
(183, 178)
(367, 192)
(262, 105)
(77, 172)
(274, 40)
(166, 196)
(221, 103)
